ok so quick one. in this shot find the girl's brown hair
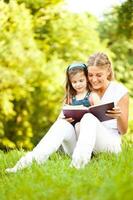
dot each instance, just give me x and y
(102, 61)
(72, 70)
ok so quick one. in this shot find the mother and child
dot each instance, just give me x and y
(85, 85)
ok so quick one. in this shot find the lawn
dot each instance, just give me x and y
(106, 177)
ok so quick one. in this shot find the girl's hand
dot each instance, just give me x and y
(70, 120)
(114, 113)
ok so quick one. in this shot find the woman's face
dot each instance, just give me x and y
(97, 77)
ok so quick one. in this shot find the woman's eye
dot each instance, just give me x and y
(99, 75)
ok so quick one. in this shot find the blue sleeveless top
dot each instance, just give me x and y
(85, 101)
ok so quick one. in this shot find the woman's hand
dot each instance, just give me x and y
(114, 113)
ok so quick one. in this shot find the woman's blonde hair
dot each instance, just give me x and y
(102, 61)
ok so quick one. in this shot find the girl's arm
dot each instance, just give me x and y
(94, 98)
(61, 116)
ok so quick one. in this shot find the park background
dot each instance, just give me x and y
(38, 40)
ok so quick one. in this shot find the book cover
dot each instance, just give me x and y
(77, 112)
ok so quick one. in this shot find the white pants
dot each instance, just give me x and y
(93, 137)
(61, 132)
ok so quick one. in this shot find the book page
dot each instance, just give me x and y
(76, 107)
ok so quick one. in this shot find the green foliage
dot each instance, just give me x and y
(71, 39)
(118, 42)
(125, 19)
(24, 80)
(34, 5)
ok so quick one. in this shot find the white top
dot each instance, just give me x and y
(113, 93)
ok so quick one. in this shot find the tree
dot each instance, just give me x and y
(23, 75)
(125, 19)
(26, 81)
(36, 46)
(119, 43)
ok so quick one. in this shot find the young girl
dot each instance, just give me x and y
(62, 132)
(78, 90)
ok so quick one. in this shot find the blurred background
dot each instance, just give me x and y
(38, 39)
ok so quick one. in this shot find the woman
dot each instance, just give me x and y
(96, 136)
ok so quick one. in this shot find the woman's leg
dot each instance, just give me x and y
(60, 132)
(93, 137)
(77, 129)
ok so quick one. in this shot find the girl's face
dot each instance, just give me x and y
(98, 77)
(79, 82)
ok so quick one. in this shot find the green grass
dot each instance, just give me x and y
(106, 177)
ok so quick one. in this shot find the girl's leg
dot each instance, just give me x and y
(60, 132)
(93, 137)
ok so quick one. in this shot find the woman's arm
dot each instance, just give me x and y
(120, 112)
(122, 121)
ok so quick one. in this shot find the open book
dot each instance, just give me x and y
(77, 112)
